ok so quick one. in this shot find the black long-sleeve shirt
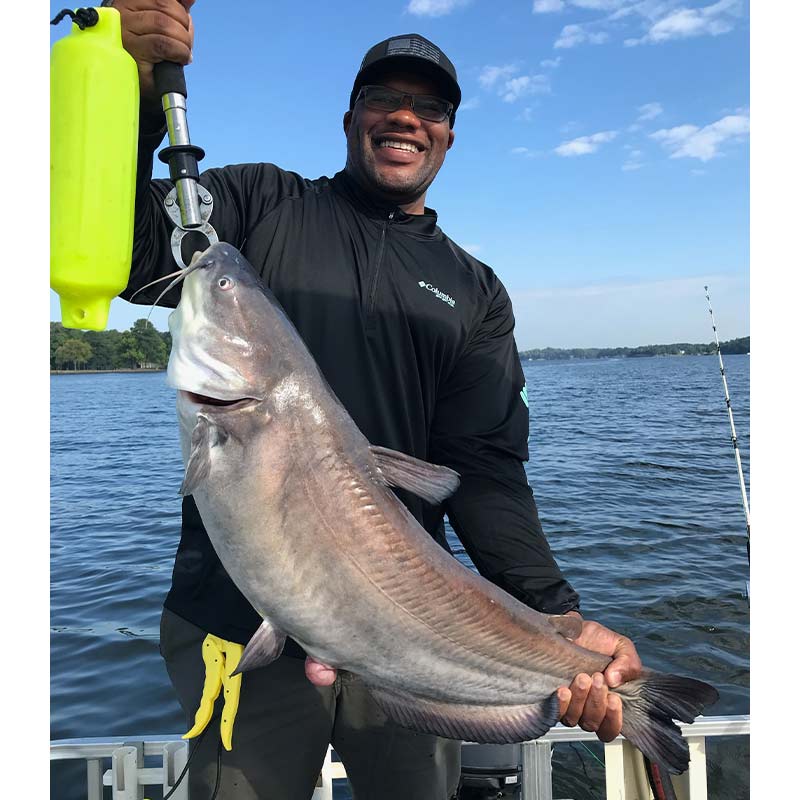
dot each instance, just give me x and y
(415, 337)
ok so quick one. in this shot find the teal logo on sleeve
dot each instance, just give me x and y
(524, 395)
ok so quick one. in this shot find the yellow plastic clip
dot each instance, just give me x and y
(221, 658)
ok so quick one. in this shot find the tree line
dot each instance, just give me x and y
(144, 347)
(140, 347)
(732, 346)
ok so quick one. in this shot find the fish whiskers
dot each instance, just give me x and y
(178, 275)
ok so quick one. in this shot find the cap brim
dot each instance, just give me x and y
(449, 89)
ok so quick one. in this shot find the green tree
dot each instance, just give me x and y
(58, 335)
(149, 343)
(166, 337)
(129, 352)
(74, 350)
(105, 346)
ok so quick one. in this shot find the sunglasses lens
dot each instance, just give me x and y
(381, 98)
(430, 108)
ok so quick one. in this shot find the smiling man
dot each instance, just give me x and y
(415, 337)
(398, 140)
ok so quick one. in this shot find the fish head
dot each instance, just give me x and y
(222, 353)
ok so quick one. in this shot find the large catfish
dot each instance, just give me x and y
(299, 507)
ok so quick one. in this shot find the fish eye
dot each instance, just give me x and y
(225, 283)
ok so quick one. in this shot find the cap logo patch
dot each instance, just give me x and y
(413, 47)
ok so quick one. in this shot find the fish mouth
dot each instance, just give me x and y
(193, 398)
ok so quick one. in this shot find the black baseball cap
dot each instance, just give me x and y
(413, 53)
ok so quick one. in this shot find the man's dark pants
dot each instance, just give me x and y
(283, 728)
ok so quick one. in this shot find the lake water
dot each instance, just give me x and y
(634, 475)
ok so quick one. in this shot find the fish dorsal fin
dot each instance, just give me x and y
(428, 481)
(569, 627)
(472, 723)
(263, 648)
(199, 464)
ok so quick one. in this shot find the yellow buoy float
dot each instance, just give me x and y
(94, 119)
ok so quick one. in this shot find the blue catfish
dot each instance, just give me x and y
(300, 510)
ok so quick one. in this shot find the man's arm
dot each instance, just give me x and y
(161, 30)
(481, 430)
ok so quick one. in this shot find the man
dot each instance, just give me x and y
(415, 337)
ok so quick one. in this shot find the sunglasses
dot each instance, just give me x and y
(425, 106)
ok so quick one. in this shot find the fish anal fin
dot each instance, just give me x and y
(569, 627)
(263, 648)
(472, 723)
(198, 465)
(429, 481)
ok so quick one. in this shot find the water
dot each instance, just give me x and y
(635, 479)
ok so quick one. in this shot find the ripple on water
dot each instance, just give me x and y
(632, 472)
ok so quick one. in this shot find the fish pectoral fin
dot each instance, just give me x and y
(569, 627)
(473, 723)
(199, 464)
(428, 481)
(263, 648)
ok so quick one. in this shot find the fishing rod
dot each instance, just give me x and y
(734, 438)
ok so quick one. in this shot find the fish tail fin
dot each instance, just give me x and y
(649, 706)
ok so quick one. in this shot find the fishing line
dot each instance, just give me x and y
(734, 438)
(583, 766)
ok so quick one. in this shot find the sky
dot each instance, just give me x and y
(601, 158)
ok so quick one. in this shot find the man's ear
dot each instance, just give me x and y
(346, 120)
(451, 138)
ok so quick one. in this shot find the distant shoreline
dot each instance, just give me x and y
(102, 371)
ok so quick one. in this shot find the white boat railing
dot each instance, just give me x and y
(625, 778)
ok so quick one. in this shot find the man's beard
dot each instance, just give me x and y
(400, 189)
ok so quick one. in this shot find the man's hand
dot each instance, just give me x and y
(153, 31)
(319, 674)
(587, 701)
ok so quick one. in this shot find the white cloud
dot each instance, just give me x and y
(491, 75)
(434, 8)
(598, 5)
(523, 86)
(691, 141)
(472, 248)
(683, 23)
(660, 20)
(584, 144)
(550, 63)
(510, 86)
(634, 160)
(469, 105)
(650, 111)
(525, 152)
(545, 6)
(572, 35)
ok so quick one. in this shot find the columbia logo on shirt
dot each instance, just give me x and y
(445, 298)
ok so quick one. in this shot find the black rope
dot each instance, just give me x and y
(219, 770)
(186, 766)
(82, 17)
